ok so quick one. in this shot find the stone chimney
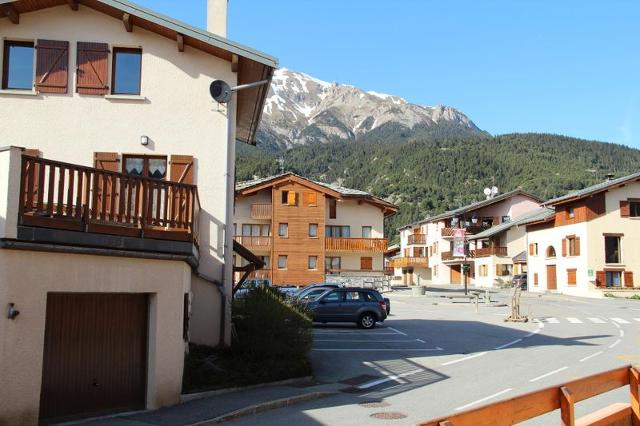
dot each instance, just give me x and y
(217, 17)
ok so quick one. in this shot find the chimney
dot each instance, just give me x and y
(217, 17)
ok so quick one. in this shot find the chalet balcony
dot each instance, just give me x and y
(261, 211)
(448, 255)
(411, 262)
(417, 239)
(470, 230)
(359, 245)
(254, 243)
(491, 251)
(69, 204)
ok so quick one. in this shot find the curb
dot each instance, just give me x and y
(186, 397)
(264, 406)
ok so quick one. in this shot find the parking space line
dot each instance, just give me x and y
(637, 319)
(535, 379)
(484, 399)
(621, 332)
(620, 320)
(436, 349)
(397, 331)
(597, 320)
(591, 356)
(506, 345)
(455, 361)
(614, 344)
(573, 320)
(394, 377)
(363, 341)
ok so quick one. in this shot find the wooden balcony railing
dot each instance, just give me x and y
(417, 239)
(470, 230)
(563, 397)
(407, 262)
(253, 242)
(491, 251)
(378, 245)
(72, 197)
(261, 211)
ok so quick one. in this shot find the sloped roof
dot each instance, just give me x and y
(253, 65)
(520, 257)
(594, 189)
(340, 191)
(533, 216)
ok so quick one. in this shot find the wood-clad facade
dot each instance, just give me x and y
(306, 230)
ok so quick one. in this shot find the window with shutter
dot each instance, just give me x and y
(624, 208)
(332, 208)
(311, 199)
(564, 247)
(366, 263)
(577, 247)
(600, 279)
(52, 65)
(92, 68)
(531, 249)
(571, 276)
(17, 65)
(182, 169)
(628, 279)
(110, 162)
(535, 279)
(291, 198)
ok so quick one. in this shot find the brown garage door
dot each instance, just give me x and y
(95, 355)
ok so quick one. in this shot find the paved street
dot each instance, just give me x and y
(434, 357)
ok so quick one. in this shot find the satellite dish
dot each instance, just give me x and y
(220, 91)
(487, 192)
(494, 190)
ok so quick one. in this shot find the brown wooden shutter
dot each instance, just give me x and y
(600, 279)
(291, 198)
(624, 208)
(531, 249)
(110, 162)
(577, 247)
(52, 66)
(92, 68)
(311, 198)
(182, 169)
(628, 279)
(366, 263)
(535, 279)
(571, 276)
(564, 247)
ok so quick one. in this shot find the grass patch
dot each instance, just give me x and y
(271, 342)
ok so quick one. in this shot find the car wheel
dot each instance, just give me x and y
(367, 320)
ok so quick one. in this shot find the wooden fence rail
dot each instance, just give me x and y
(72, 197)
(563, 397)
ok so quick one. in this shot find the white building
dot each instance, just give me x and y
(590, 245)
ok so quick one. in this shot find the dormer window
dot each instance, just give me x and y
(17, 67)
(126, 71)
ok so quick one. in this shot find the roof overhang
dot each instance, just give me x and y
(251, 65)
(284, 180)
(617, 183)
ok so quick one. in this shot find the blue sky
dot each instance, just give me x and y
(570, 67)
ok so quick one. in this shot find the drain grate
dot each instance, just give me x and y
(375, 403)
(393, 415)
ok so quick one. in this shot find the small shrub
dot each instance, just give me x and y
(635, 297)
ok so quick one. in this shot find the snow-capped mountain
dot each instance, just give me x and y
(301, 109)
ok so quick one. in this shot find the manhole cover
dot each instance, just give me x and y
(394, 415)
(377, 403)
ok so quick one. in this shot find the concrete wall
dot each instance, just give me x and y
(351, 261)
(10, 161)
(22, 340)
(242, 212)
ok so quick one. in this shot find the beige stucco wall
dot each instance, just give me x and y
(351, 261)
(21, 340)
(9, 191)
(242, 210)
(176, 113)
(350, 213)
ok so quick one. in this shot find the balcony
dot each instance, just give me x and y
(78, 200)
(417, 239)
(408, 262)
(491, 251)
(253, 243)
(261, 211)
(470, 230)
(377, 245)
(448, 255)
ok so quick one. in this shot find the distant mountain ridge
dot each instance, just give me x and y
(301, 109)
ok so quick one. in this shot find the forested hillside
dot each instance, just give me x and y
(428, 175)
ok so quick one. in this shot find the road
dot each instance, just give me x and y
(433, 357)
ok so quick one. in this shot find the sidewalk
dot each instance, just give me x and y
(220, 408)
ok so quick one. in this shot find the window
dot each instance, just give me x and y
(312, 263)
(333, 297)
(337, 231)
(289, 198)
(613, 278)
(17, 69)
(506, 219)
(146, 166)
(487, 222)
(366, 231)
(353, 296)
(284, 197)
(533, 249)
(332, 208)
(126, 71)
(484, 271)
(612, 249)
(366, 263)
(535, 279)
(313, 230)
(504, 270)
(256, 230)
(634, 208)
(573, 246)
(571, 276)
(571, 212)
(267, 261)
(283, 230)
(282, 262)
(551, 252)
(332, 263)
(311, 198)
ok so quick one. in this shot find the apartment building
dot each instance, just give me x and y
(306, 231)
(113, 201)
(427, 247)
(589, 246)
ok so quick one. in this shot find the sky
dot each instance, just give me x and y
(570, 67)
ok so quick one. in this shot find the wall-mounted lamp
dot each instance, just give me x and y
(144, 140)
(12, 312)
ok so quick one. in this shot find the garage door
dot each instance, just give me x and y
(95, 355)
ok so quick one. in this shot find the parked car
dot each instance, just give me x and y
(305, 290)
(520, 280)
(362, 306)
(249, 285)
(388, 303)
(288, 290)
